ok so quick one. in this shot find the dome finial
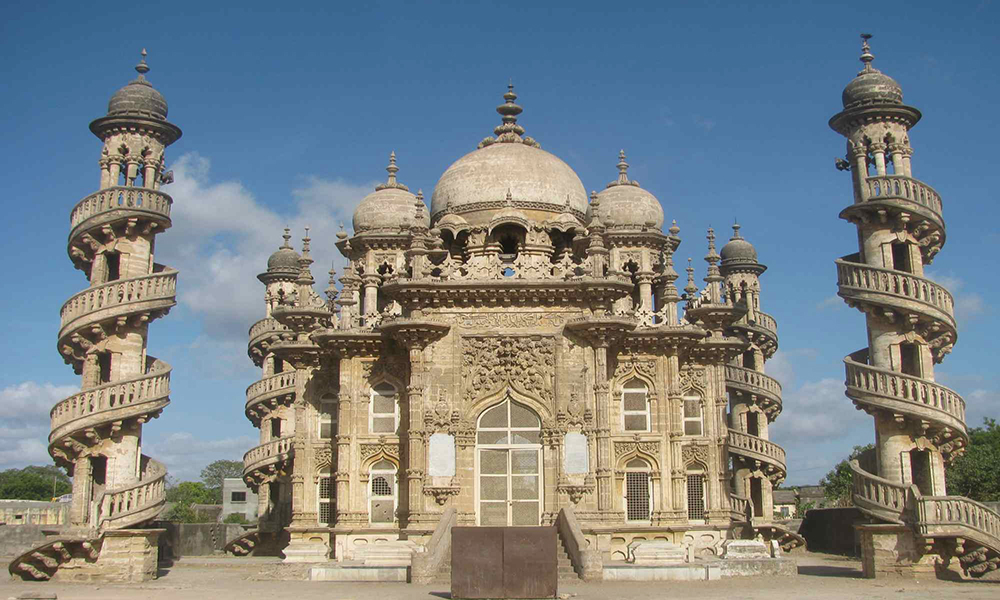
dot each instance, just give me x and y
(509, 131)
(288, 237)
(622, 167)
(305, 245)
(866, 55)
(736, 232)
(142, 68)
(392, 169)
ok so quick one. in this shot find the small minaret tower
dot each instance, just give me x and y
(97, 434)
(919, 424)
(754, 397)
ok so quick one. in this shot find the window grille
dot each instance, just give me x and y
(637, 496)
(381, 487)
(326, 500)
(384, 413)
(692, 416)
(382, 492)
(696, 497)
(635, 406)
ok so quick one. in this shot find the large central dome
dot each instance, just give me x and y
(476, 186)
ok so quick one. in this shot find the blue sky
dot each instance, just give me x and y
(289, 113)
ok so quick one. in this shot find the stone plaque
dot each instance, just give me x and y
(577, 459)
(441, 455)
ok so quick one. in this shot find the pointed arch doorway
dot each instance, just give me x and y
(508, 466)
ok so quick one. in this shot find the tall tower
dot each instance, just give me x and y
(919, 424)
(96, 434)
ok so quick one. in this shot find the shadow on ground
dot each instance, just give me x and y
(829, 571)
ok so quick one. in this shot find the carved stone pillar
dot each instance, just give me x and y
(300, 473)
(82, 484)
(605, 481)
(415, 450)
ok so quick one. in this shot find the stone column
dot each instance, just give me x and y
(878, 151)
(415, 458)
(605, 469)
(371, 295)
(82, 485)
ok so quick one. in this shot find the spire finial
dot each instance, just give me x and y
(622, 167)
(288, 237)
(866, 55)
(142, 68)
(305, 244)
(691, 288)
(392, 169)
(509, 131)
(736, 232)
(674, 229)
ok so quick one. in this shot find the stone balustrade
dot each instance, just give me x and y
(754, 382)
(766, 321)
(900, 187)
(270, 387)
(856, 276)
(267, 453)
(888, 500)
(960, 516)
(111, 398)
(117, 506)
(739, 507)
(926, 398)
(264, 327)
(120, 198)
(744, 443)
(158, 286)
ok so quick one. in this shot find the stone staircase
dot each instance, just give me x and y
(567, 572)
(41, 563)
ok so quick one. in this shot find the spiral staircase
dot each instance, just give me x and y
(96, 433)
(920, 423)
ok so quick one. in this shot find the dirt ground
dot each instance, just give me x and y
(821, 576)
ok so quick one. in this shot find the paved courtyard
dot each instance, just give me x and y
(821, 576)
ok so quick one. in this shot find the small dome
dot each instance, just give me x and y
(390, 206)
(138, 98)
(871, 86)
(476, 185)
(284, 259)
(738, 251)
(624, 204)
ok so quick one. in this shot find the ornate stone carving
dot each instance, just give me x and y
(324, 457)
(576, 491)
(511, 320)
(382, 446)
(441, 493)
(440, 416)
(524, 362)
(642, 366)
(373, 370)
(652, 448)
(693, 378)
(693, 453)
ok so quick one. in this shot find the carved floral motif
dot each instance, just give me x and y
(525, 363)
(692, 453)
(651, 448)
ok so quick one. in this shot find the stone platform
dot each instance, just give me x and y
(360, 572)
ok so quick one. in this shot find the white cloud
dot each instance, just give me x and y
(222, 236)
(186, 455)
(818, 411)
(968, 305)
(24, 424)
(981, 403)
(832, 302)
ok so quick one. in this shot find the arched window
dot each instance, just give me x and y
(325, 494)
(508, 464)
(696, 496)
(693, 423)
(327, 417)
(384, 414)
(382, 492)
(638, 491)
(635, 406)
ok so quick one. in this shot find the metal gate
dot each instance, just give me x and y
(504, 562)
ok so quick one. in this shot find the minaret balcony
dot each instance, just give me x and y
(896, 195)
(758, 450)
(119, 202)
(873, 389)
(266, 394)
(267, 461)
(765, 389)
(864, 284)
(263, 333)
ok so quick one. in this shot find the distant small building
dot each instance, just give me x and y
(33, 512)
(784, 504)
(807, 496)
(237, 498)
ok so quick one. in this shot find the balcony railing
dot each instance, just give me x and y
(901, 187)
(120, 198)
(758, 446)
(266, 453)
(958, 515)
(754, 382)
(888, 500)
(158, 286)
(269, 387)
(895, 283)
(112, 397)
(918, 393)
(150, 492)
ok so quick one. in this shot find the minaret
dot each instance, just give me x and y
(97, 434)
(919, 425)
(754, 397)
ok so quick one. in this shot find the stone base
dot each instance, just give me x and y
(126, 556)
(756, 567)
(894, 551)
(307, 546)
(657, 553)
(359, 573)
(708, 571)
(745, 549)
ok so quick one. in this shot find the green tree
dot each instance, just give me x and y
(214, 473)
(183, 495)
(34, 483)
(976, 474)
(239, 518)
(837, 483)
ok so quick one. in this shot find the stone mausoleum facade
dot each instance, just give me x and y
(517, 349)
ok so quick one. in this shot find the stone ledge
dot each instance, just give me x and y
(360, 573)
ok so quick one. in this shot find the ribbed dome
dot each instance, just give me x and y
(624, 204)
(390, 206)
(477, 184)
(871, 86)
(138, 98)
(738, 251)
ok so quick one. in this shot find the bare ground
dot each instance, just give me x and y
(821, 576)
